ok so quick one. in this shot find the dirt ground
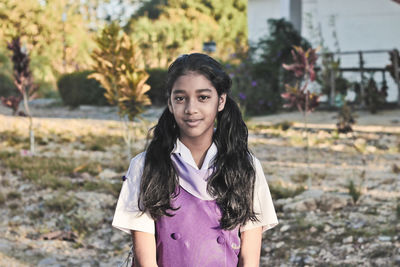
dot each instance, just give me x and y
(326, 225)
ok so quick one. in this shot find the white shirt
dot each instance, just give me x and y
(128, 217)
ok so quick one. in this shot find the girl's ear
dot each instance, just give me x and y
(221, 102)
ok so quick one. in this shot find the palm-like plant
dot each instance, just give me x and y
(117, 69)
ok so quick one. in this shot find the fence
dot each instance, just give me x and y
(362, 69)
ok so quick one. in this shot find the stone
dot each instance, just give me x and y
(384, 238)
(301, 205)
(117, 237)
(347, 240)
(327, 228)
(334, 201)
(284, 228)
(371, 149)
(279, 244)
(48, 262)
(107, 174)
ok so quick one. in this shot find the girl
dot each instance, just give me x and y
(196, 196)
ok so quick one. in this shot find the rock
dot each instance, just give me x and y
(301, 205)
(48, 262)
(284, 228)
(97, 243)
(327, 228)
(384, 238)
(371, 149)
(279, 244)
(308, 260)
(347, 240)
(334, 201)
(313, 229)
(117, 237)
(396, 260)
(107, 174)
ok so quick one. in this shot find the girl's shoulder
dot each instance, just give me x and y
(136, 166)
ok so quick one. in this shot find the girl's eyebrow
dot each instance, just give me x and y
(180, 91)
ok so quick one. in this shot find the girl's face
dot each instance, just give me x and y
(195, 103)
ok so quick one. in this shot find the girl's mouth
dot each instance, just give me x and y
(192, 123)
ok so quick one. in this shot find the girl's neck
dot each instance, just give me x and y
(198, 148)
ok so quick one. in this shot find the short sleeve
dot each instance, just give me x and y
(127, 215)
(262, 203)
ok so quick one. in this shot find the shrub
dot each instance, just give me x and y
(7, 87)
(275, 50)
(77, 89)
(157, 91)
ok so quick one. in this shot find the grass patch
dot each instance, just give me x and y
(13, 195)
(100, 142)
(354, 192)
(60, 203)
(47, 172)
(5, 182)
(299, 177)
(13, 206)
(12, 138)
(36, 214)
(278, 191)
(2, 199)
(103, 186)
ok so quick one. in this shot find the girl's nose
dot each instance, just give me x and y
(190, 107)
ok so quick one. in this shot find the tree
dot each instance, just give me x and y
(55, 32)
(23, 80)
(164, 29)
(117, 69)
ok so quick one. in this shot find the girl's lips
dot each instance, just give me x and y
(192, 123)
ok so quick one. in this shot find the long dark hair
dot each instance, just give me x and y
(232, 182)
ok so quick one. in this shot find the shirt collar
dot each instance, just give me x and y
(186, 155)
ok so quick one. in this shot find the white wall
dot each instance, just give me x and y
(359, 24)
(258, 11)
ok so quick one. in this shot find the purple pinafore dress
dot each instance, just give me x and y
(193, 237)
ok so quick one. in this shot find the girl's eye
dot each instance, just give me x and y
(179, 98)
(203, 97)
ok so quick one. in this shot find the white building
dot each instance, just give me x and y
(358, 24)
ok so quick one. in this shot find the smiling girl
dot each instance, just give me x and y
(196, 196)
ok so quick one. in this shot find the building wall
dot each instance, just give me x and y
(359, 25)
(258, 12)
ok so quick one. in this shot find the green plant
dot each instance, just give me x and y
(118, 71)
(13, 195)
(395, 168)
(346, 119)
(374, 97)
(13, 206)
(2, 199)
(354, 192)
(273, 51)
(77, 89)
(61, 203)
